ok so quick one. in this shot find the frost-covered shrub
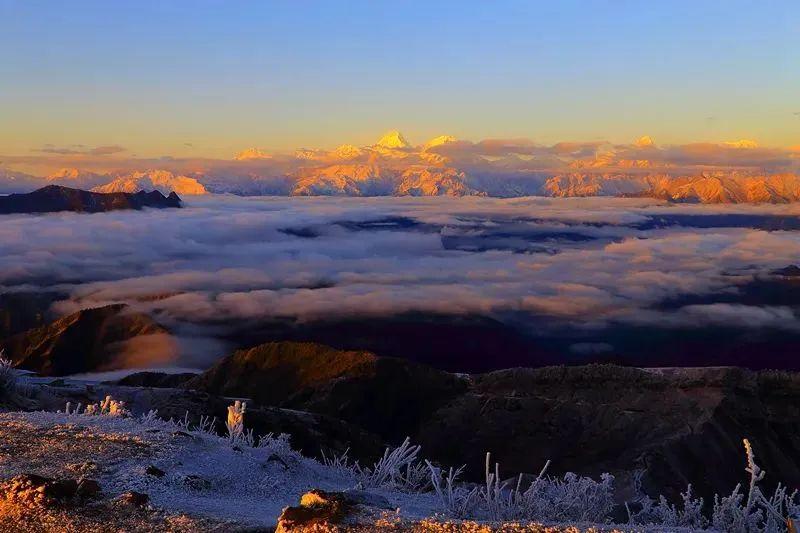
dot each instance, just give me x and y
(340, 463)
(8, 377)
(108, 407)
(456, 500)
(569, 499)
(661, 512)
(398, 469)
(754, 512)
(235, 421)
(739, 512)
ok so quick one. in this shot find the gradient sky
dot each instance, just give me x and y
(155, 77)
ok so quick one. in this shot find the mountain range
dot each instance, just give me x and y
(732, 172)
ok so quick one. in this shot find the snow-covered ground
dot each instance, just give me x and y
(204, 475)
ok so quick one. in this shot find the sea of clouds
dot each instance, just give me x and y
(586, 262)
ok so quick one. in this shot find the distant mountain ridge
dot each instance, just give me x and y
(54, 198)
(729, 172)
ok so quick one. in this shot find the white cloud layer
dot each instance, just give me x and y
(586, 261)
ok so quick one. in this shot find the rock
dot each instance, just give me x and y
(196, 482)
(154, 471)
(133, 499)
(88, 488)
(40, 491)
(324, 511)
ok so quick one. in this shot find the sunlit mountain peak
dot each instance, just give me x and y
(347, 151)
(393, 139)
(252, 153)
(440, 140)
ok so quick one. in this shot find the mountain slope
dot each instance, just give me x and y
(85, 341)
(359, 387)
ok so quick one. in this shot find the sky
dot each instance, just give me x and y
(207, 79)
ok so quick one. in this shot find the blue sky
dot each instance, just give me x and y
(154, 76)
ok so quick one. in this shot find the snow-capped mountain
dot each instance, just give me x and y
(77, 178)
(159, 180)
(252, 153)
(727, 172)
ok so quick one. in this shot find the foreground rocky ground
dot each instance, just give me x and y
(655, 431)
(73, 472)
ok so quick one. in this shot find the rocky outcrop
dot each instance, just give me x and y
(330, 511)
(54, 198)
(85, 341)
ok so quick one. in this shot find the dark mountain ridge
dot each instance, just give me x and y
(55, 198)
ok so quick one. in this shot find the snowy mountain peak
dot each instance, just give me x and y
(645, 141)
(393, 139)
(440, 140)
(347, 151)
(252, 153)
(160, 180)
(64, 173)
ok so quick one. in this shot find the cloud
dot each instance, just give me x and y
(106, 150)
(79, 149)
(581, 263)
(515, 158)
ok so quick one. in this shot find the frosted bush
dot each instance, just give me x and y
(571, 499)
(277, 444)
(8, 377)
(456, 501)
(739, 512)
(397, 469)
(340, 463)
(756, 512)
(662, 513)
(206, 425)
(108, 407)
(148, 419)
(235, 421)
